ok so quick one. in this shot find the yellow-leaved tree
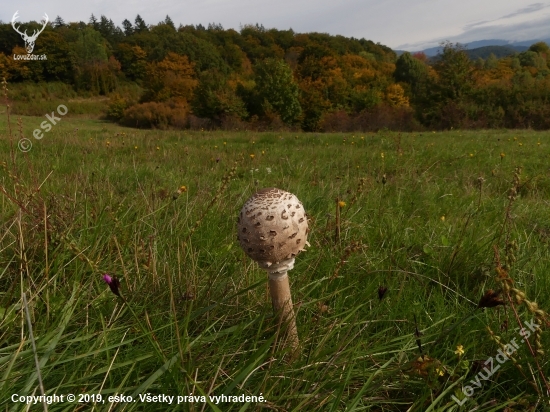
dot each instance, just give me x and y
(395, 96)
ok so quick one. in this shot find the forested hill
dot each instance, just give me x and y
(498, 51)
(194, 76)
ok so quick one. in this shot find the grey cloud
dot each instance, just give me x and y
(472, 25)
(513, 32)
(526, 10)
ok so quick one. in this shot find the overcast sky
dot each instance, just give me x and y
(399, 24)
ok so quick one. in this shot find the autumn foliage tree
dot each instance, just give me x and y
(133, 60)
(165, 101)
(173, 78)
(395, 96)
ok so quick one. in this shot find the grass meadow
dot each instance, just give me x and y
(387, 313)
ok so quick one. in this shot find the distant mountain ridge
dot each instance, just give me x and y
(498, 51)
(498, 47)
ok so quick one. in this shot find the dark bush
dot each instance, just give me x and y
(201, 123)
(156, 115)
(379, 117)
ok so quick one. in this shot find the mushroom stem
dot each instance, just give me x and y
(282, 305)
(279, 289)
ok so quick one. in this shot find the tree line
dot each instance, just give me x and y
(196, 76)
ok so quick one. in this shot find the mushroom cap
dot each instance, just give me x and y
(272, 226)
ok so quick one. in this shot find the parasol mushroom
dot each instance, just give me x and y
(272, 230)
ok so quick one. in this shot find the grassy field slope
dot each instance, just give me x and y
(437, 219)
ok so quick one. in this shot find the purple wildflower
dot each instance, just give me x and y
(112, 282)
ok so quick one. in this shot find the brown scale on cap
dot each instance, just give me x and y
(272, 226)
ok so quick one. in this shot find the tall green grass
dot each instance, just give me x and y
(93, 198)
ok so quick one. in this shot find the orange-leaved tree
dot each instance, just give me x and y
(173, 78)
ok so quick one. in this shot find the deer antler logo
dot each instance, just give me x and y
(29, 40)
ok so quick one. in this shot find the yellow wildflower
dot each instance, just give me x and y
(459, 350)
(341, 204)
(252, 156)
